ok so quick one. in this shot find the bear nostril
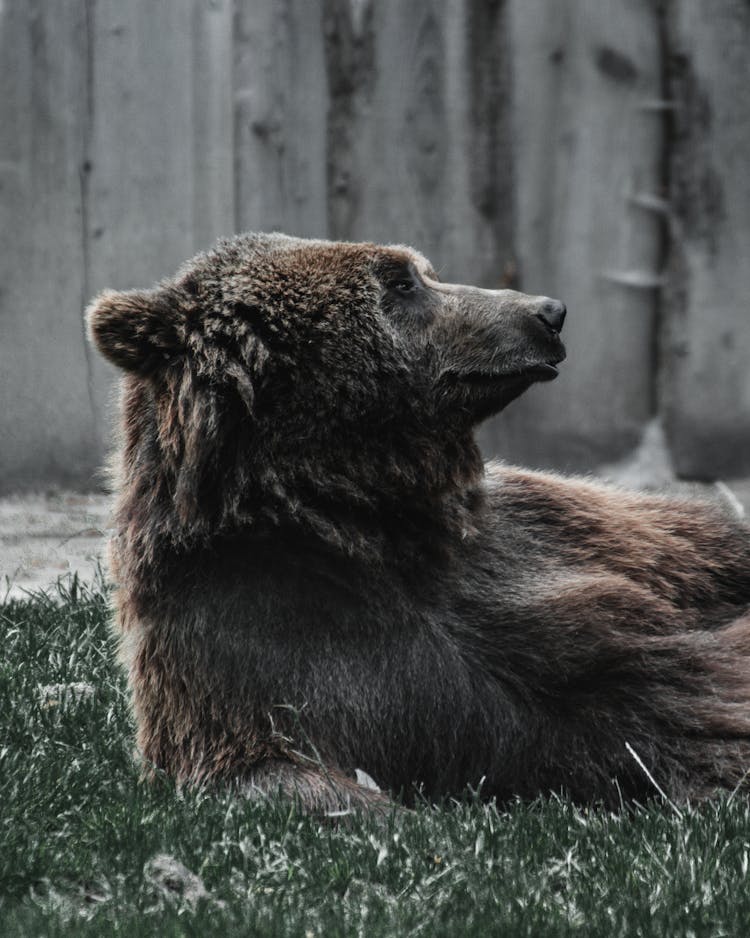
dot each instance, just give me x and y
(552, 314)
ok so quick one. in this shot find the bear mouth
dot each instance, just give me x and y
(544, 371)
(488, 391)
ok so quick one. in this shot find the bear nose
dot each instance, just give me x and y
(552, 314)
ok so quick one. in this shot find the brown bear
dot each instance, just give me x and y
(317, 573)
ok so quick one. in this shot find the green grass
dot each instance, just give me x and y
(78, 831)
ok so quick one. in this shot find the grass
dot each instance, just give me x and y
(79, 833)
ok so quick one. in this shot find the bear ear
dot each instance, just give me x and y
(138, 330)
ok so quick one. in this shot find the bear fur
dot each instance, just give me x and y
(317, 573)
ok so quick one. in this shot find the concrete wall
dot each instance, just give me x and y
(595, 150)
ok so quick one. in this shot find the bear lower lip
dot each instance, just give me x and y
(545, 371)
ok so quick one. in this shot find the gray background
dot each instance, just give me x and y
(595, 150)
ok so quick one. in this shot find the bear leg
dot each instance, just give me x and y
(316, 788)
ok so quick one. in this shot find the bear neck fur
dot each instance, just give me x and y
(359, 502)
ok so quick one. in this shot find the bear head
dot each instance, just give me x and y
(276, 377)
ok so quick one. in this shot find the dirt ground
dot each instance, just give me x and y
(46, 536)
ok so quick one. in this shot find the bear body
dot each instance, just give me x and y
(317, 573)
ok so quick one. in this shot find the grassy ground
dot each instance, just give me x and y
(87, 849)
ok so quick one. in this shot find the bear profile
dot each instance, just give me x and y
(316, 572)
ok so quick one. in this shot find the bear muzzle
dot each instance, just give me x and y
(495, 344)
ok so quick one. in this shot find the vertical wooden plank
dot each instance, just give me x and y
(46, 421)
(213, 121)
(160, 180)
(417, 130)
(387, 121)
(140, 180)
(486, 143)
(350, 42)
(142, 184)
(281, 101)
(707, 345)
(588, 149)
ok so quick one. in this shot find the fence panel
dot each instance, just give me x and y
(281, 100)
(707, 309)
(588, 151)
(540, 145)
(47, 426)
(160, 145)
(418, 130)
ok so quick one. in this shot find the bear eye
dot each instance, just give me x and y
(403, 283)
